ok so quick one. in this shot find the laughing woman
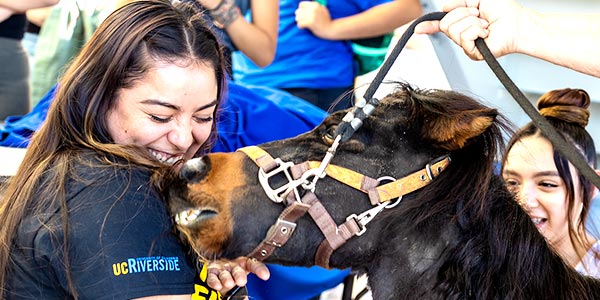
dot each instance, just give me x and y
(555, 194)
(80, 218)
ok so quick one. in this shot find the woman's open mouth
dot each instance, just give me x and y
(539, 222)
(165, 158)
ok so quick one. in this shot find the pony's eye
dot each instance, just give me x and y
(329, 135)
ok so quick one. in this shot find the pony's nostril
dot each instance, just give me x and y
(193, 216)
(195, 169)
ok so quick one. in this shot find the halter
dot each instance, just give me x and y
(302, 178)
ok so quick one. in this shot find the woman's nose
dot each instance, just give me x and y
(527, 197)
(181, 136)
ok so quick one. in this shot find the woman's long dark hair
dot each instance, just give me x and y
(568, 111)
(121, 51)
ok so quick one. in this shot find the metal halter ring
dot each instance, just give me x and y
(398, 200)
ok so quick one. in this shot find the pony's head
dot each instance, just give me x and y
(226, 207)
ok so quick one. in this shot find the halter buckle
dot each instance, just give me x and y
(278, 194)
(320, 173)
(280, 232)
(363, 219)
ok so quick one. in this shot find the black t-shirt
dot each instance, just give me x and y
(121, 243)
(13, 27)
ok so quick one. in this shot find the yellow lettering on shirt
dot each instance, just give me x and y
(202, 291)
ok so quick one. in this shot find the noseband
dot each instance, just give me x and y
(302, 178)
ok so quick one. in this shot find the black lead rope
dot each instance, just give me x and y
(363, 108)
(558, 141)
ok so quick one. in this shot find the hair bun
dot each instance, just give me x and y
(568, 105)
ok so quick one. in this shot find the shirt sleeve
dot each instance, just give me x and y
(122, 244)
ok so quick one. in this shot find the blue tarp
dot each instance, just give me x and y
(251, 115)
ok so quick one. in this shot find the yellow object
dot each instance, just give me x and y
(201, 291)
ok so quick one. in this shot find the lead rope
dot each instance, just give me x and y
(365, 106)
(558, 141)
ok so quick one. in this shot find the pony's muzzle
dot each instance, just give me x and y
(195, 169)
(193, 216)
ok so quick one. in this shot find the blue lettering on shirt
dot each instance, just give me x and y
(132, 265)
(146, 264)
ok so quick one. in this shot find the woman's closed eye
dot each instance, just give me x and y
(197, 119)
(160, 119)
(203, 119)
(511, 182)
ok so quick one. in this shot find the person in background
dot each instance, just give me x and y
(67, 27)
(81, 219)
(71, 24)
(256, 38)
(548, 187)
(314, 58)
(14, 75)
(35, 20)
(565, 39)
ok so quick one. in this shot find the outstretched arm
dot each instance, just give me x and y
(23, 5)
(378, 20)
(507, 27)
(256, 39)
(568, 40)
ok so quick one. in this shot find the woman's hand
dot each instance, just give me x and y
(5, 13)
(499, 22)
(223, 275)
(315, 17)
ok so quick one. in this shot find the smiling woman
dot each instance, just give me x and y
(142, 93)
(554, 194)
(169, 111)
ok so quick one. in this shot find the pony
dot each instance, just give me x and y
(411, 199)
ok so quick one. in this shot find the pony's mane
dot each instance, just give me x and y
(497, 240)
(475, 161)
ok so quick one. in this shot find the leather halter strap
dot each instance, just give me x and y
(335, 236)
(260, 157)
(382, 193)
(280, 232)
(377, 193)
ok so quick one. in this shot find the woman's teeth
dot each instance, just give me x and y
(538, 221)
(164, 158)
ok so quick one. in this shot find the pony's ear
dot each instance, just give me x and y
(451, 132)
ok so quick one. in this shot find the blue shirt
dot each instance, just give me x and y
(303, 60)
